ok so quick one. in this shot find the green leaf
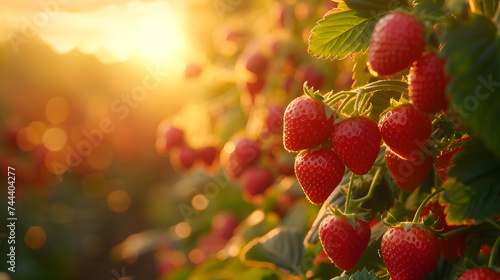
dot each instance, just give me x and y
(473, 52)
(430, 7)
(473, 191)
(342, 33)
(361, 74)
(281, 247)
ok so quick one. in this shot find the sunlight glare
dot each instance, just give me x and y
(152, 32)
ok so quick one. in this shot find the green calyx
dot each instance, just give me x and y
(311, 93)
(351, 217)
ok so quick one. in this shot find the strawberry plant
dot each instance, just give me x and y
(416, 131)
(360, 142)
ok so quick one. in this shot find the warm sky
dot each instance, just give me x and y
(113, 30)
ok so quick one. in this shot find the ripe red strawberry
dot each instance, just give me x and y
(427, 83)
(319, 172)
(443, 159)
(168, 137)
(410, 254)
(408, 174)
(343, 243)
(245, 153)
(207, 155)
(357, 143)
(310, 74)
(480, 274)
(223, 224)
(183, 157)
(453, 246)
(405, 130)
(274, 119)
(307, 123)
(256, 180)
(256, 62)
(396, 42)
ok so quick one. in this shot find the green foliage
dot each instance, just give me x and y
(473, 192)
(474, 64)
(281, 247)
(431, 7)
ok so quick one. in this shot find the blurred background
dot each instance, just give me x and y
(122, 120)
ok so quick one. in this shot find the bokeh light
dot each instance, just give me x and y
(118, 201)
(35, 237)
(182, 229)
(54, 138)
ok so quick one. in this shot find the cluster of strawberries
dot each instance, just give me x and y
(326, 147)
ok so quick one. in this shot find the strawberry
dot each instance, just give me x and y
(453, 246)
(342, 242)
(274, 119)
(183, 157)
(357, 143)
(411, 253)
(308, 123)
(405, 130)
(256, 180)
(168, 137)
(223, 224)
(245, 153)
(480, 274)
(443, 159)
(192, 70)
(207, 155)
(319, 172)
(427, 83)
(408, 174)
(310, 74)
(396, 42)
(256, 62)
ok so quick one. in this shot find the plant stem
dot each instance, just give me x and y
(457, 231)
(349, 196)
(493, 255)
(386, 85)
(497, 226)
(371, 190)
(427, 199)
(332, 100)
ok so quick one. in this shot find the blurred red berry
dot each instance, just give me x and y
(207, 155)
(256, 180)
(224, 224)
(192, 70)
(310, 74)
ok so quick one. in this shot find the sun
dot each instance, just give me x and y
(159, 36)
